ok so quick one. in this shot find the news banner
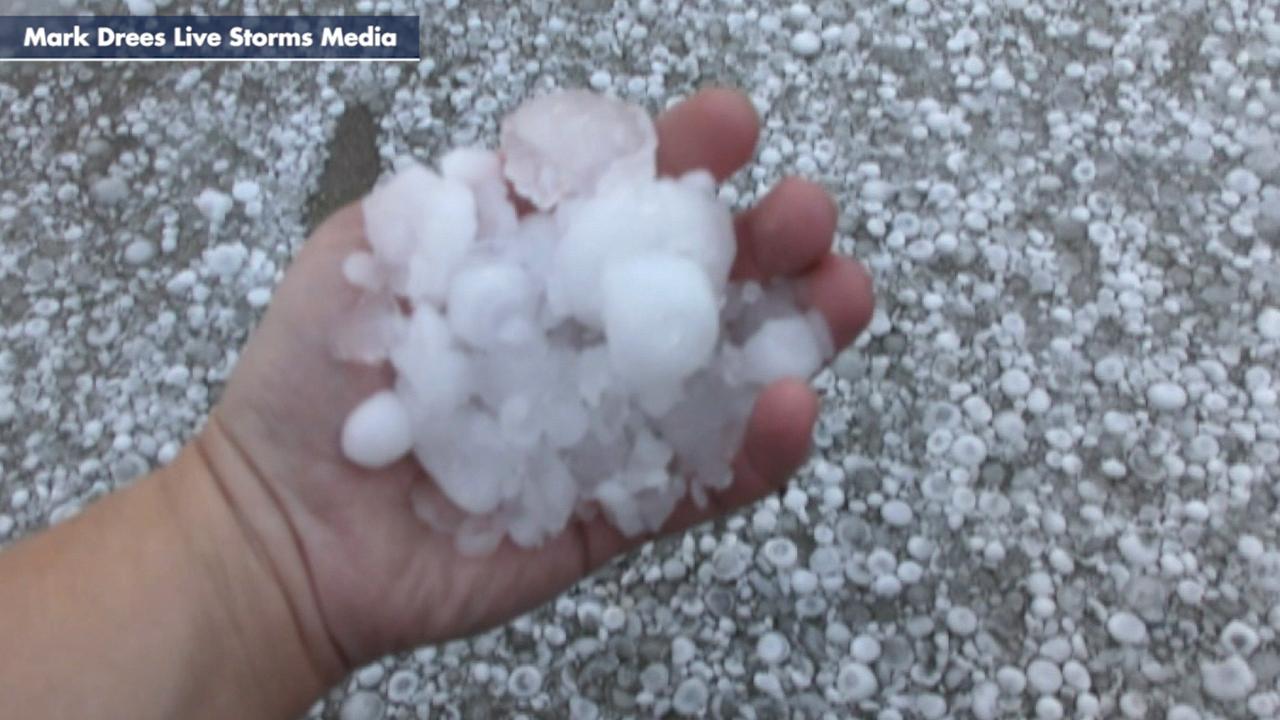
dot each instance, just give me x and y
(205, 38)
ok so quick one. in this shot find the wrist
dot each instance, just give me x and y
(249, 578)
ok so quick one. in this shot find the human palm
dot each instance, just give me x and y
(344, 540)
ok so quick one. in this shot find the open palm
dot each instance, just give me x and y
(364, 575)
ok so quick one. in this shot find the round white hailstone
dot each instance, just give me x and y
(666, 216)
(446, 228)
(806, 43)
(1011, 680)
(227, 259)
(682, 650)
(825, 561)
(855, 682)
(660, 319)
(1127, 628)
(655, 677)
(525, 681)
(1044, 677)
(213, 205)
(962, 621)
(730, 561)
(931, 706)
(772, 648)
(245, 191)
(781, 552)
(1002, 79)
(258, 297)
(433, 372)
(1269, 323)
(690, 697)
(1166, 396)
(361, 269)
(581, 708)
(1250, 547)
(363, 705)
(600, 80)
(1264, 704)
(370, 675)
(1049, 708)
(1228, 680)
(865, 648)
(402, 686)
(1015, 382)
(803, 581)
(481, 170)
(969, 450)
(613, 618)
(110, 190)
(377, 432)
(492, 304)
(139, 251)
(1243, 181)
(1109, 369)
(896, 513)
(392, 210)
(547, 159)
(785, 347)
(1239, 639)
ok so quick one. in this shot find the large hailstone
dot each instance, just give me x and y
(565, 144)
(588, 357)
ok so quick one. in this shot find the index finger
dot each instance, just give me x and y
(715, 130)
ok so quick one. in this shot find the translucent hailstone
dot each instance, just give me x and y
(856, 682)
(564, 144)
(690, 697)
(1227, 680)
(588, 357)
(772, 648)
(525, 681)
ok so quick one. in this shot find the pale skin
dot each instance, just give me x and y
(260, 567)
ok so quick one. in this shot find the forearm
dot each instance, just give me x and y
(150, 604)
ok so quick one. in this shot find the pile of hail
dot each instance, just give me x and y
(579, 349)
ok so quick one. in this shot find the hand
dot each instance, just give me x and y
(363, 575)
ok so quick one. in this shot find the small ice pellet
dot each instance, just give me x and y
(377, 432)
(1227, 680)
(245, 191)
(1166, 396)
(962, 621)
(1015, 382)
(806, 43)
(690, 698)
(525, 681)
(772, 648)
(896, 513)
(856, 682)
(1044, 676)
(1127, 628)
(1269, 323)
